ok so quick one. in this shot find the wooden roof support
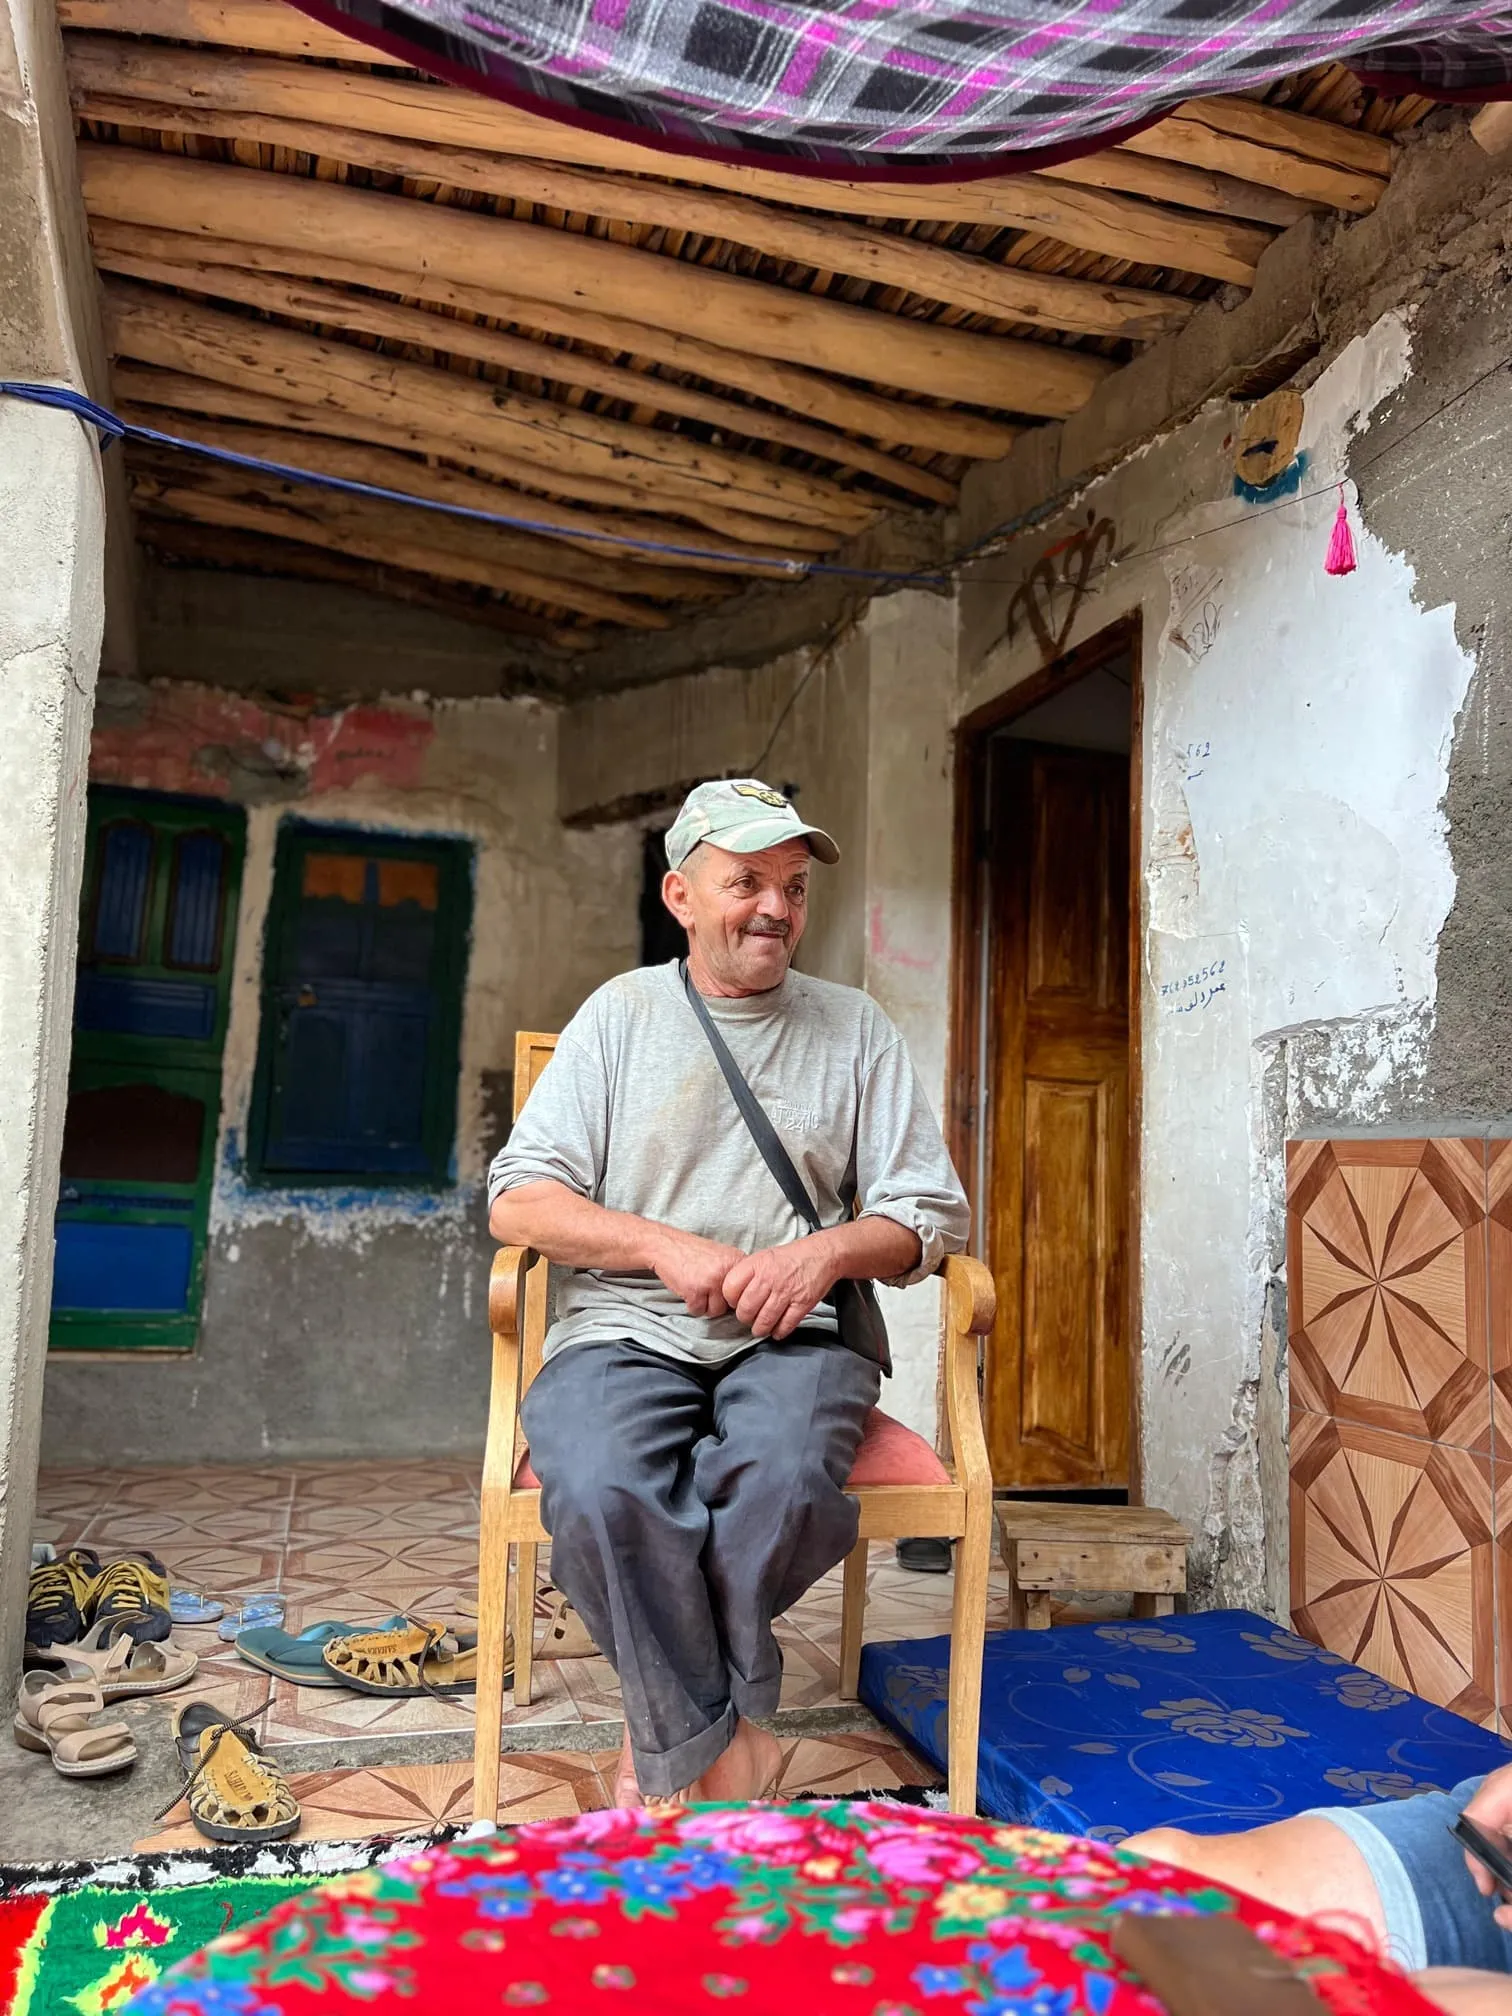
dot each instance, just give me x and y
(383, 532)
(183, 335)
(637, 572)
(938, 429)
(240, 24)
(341, 309)
(179, 539)
(1347, 147)
(541, 555)
(1200, 143)
(1115, 168)
(1112, 224)
(1491, 128)
(240, 203)
(185, 394)
(183, 90)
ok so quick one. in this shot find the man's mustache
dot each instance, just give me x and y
(766, 927)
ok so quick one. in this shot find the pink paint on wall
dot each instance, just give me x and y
(196, 740)
(882, 948)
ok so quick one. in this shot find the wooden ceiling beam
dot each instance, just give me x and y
(339, 308)
(1345, 147)
(943, 430)
(183, 90)
(538, 553)
(267, 25)
(183, 393)
(373, 535)
(644, 572)
(1157, 181)
(138, 187)
(184, 335)
(1114, 225)
(1202, 145)
(191, 544)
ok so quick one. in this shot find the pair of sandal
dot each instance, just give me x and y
(407, 1656)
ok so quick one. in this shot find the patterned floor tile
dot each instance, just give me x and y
(1392, 1558)
(412, 1798)
(1386, 1257)
(844, 1764)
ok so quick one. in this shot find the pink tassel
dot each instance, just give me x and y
(1341, 548)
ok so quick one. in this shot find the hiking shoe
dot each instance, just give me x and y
(57, 1596)
(131, 1598)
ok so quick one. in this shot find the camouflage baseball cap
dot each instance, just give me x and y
(743, 816)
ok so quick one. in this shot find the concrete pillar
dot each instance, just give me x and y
(52, 545)
(911, 639)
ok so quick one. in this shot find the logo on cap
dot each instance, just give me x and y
(760, 792)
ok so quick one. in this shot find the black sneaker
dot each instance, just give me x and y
(57, 1597)
(131, 1597)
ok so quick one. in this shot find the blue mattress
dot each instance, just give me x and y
(1211, 1722)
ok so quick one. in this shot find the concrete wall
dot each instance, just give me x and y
(51, 617)
(1296, 741)
(352, 1323)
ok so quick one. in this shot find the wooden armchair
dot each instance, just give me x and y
(903, 1489)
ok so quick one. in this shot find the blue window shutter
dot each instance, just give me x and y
(199, 881)
(121, 899)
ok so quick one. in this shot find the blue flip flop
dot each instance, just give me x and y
(187, 1606)
(298, 1658)
(253, 1612)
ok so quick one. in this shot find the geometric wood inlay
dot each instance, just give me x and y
(1386, 1267)
(1391, 1558)
(1499, 1290)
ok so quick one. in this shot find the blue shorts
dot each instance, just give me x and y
(1435, 1916)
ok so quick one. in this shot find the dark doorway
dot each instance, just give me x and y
(662, 937)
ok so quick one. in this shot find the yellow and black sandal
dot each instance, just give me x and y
(234, 1789)
(417, 1658)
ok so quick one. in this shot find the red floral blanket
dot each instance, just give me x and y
(787, 1911)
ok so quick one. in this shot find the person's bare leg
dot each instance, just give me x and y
(748, 1769)
(1307, 1866)
(627, 1790)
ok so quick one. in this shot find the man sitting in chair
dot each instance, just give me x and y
(696, 1415)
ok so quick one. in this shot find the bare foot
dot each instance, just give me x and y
(748, 1769)
(627, 1790)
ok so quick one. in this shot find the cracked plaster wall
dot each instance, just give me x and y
(353, 1323)
(1297, 877)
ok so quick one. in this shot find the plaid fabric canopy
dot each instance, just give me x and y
(929, 83)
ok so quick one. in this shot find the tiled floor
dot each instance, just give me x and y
(359, 1542)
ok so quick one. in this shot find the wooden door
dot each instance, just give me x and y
(1058, 1173)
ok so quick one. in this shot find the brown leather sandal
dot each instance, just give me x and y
(560, 1631)
(56, 1718)
(419, 1658)
(235, 1791)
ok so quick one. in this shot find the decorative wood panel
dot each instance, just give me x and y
(1499, 1291)
(1386, 1259)
(1392, 1558)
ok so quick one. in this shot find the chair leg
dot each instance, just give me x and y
(493, 1613)
(968, 1632)
(524, 1620)
(852, 1619)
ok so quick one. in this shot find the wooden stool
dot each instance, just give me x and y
(1064, 1548)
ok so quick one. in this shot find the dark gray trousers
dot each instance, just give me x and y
(689, 1505)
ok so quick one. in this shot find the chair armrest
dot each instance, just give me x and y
(506, 1289)
(971, 1307)
(971, 1295)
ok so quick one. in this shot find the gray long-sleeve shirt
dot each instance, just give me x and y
(634, 1113)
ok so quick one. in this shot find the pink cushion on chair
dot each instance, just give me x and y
(889, 1454)
(893, 1454)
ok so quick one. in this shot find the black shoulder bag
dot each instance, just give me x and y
(857, 1316)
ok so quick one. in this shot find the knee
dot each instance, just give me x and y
(1162, 1844)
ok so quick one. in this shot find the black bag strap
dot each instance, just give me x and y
(763, 1133)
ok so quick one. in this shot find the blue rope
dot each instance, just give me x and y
(113, 428)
